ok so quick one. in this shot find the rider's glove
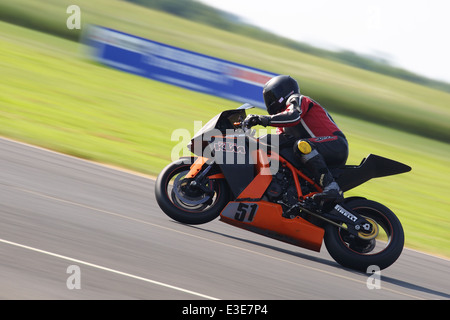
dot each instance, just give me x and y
(253, 120)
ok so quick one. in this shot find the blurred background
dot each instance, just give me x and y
(387, 96)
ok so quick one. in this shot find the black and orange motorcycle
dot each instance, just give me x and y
(257, 187)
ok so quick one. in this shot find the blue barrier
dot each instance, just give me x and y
(177, 66)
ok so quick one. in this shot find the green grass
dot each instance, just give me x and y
(53, 97)
(343, 89)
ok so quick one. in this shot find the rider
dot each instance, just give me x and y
(316, 138)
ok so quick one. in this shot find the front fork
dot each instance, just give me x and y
(196, 167)
(199, 180)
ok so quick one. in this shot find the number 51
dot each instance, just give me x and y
(246, 212)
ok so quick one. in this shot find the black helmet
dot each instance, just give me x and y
(276, 91)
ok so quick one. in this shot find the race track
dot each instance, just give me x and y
(59, 214)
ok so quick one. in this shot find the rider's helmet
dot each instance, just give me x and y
(276, 91)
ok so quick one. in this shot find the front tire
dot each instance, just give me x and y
(357, 253)
(185, 203)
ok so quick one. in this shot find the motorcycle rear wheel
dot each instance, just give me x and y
(185, 203)
(359, 253)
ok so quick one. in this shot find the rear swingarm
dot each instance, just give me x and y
(345, 218)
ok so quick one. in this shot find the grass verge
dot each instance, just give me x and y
(342, 88)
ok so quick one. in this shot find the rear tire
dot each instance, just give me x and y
(359, 254)
(198, 207)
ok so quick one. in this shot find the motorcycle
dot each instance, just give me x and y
(261, 188)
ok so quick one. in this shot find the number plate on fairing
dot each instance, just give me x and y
(240, 211)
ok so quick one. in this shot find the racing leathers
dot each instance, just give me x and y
(317, 141)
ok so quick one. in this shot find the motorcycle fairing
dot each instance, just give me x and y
(349, 177)
(231, 154)
(265, 218)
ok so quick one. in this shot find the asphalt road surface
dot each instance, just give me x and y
(72, 229)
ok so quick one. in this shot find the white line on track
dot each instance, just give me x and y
(107, 269)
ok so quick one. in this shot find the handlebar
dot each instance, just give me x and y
(247, 130)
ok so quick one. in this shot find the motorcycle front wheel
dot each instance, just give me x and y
(185, 201)
(361, 252)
